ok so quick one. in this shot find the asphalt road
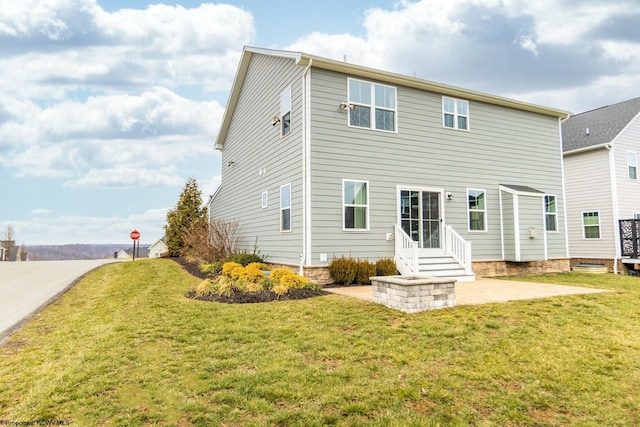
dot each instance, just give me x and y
(27, 287)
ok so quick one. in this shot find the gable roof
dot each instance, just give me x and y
(306, 60)
(603, 125)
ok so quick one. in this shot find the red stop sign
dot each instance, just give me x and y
(135, 235)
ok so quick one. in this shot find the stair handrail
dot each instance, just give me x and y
(458, 248)
(406, 252)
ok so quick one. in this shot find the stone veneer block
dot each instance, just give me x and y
(412, 294)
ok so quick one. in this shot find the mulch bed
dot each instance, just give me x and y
(244, 297)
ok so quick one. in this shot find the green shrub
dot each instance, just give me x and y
(343, 270)
(364, 270)
(214, 268)
(386, 267)
(245, 258)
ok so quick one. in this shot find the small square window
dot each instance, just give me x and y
(265, 199)
(591, 225)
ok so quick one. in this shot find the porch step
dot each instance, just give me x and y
(443, 267)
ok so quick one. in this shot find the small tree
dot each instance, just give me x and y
(180, 219)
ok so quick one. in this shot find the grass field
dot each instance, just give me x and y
(125, 347)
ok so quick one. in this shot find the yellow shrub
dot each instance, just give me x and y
(293, 281)
(259, 265)
(228, 267)
(204, 288)
(280, 289)
(277, 274)
(251, 274)
(255, 286)
(237, 272)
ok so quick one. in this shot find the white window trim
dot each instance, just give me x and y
(282, 208)
(372, 107)
(486, 228)
(555, 214)
(265, 199)
(456, 115)
(368, 206)
(634, 165)
(584, 236)
(287, 91)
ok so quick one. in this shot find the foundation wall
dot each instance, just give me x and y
(508, 268)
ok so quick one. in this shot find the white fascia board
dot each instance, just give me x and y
(590, 148)
(519, 193)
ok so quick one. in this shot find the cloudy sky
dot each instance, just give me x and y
(107, 107)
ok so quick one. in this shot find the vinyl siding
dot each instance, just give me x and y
(504, 146)
(509, 224)
(530, 210)
(263, 160)
(628, 190)
(588, 187)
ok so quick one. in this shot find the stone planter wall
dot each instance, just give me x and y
(413, 294)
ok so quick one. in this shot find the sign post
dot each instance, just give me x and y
(135, 236)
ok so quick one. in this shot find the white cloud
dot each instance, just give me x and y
(89, 229)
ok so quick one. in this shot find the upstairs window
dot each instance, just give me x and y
(455, 113)
(285, 207)
(356, 205)
(374, 105)
(632, 165)
(591, 224)
(285, 111)
(477, 210)
(550, 213)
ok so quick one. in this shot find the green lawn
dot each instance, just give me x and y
(125, 347)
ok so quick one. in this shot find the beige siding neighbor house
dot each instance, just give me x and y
(323, 158)
(601, 149)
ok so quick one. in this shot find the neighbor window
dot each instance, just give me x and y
(632, 165)
(550, 213)
(265, 199)
(591, 225)
(374, 105)
(355, 205)
(285, 207)
(285, 111)
(455, 113)
(477, 210)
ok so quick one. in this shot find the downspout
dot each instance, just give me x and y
(616, 213)
(306, 167)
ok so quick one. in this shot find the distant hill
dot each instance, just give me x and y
(76, 251)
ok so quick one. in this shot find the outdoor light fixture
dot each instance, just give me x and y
(276, 120)
(230, 163)
(449, 196)
(345, 105)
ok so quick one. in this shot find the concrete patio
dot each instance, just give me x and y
(485, 290)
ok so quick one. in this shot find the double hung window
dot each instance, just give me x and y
(285, 112)
(632, 165)
(477, 210)
(374, 105)
(355, 201)
(591, 224)
(285, 207)
(455, 113)
(550, 213)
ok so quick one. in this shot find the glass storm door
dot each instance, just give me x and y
(420, 217)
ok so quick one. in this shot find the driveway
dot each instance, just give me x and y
(27, 287)
(484, 291)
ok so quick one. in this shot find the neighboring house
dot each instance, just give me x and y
(122, 254)
(322, 158)
(10, 252)
(158, 248)
(601, 150)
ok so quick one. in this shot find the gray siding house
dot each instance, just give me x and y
(323, 158)
(601, 149)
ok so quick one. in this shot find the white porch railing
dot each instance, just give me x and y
(406, 252)
(458, 248)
